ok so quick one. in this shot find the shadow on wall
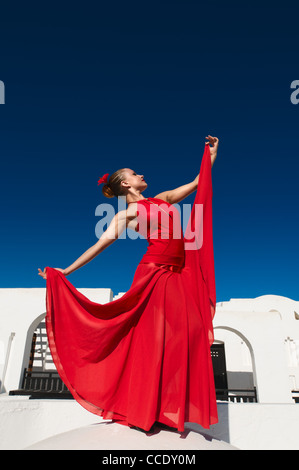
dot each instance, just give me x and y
(6, 362)
(219, 431)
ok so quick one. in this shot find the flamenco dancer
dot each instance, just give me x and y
(144, 358)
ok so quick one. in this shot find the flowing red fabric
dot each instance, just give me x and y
(145, 357)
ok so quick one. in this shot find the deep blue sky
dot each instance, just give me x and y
(91, 88)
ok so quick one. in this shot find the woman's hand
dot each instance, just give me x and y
(214, 142)
(43, 273)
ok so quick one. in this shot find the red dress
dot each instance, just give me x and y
(145, 357)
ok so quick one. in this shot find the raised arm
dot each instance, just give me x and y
(178, 194)
(116, 227)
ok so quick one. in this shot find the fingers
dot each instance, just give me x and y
(42, 273)
(212, 140)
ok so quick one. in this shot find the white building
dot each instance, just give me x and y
(256, 364)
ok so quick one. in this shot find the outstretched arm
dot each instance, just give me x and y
(178, 194)
(116, 227)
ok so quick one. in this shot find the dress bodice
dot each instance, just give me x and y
(159, 222)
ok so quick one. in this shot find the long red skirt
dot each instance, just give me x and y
(144, 357)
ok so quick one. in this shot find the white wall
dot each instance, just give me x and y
(24, 422)
(255, 426)
(21, 310)
(261, 338)
(262, 324)
(251, 426)
(262, 331)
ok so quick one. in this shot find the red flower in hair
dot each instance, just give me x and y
(103, 179)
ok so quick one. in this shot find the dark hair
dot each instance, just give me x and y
(113, 186)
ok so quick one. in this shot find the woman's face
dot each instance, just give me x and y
(135, 180)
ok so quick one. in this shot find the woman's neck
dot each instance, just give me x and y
(134, 198)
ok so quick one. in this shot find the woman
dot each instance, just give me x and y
(145, 357)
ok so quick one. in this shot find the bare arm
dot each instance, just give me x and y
(112, 233)
(116, 227)
(178, 194)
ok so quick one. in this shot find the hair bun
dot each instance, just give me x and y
(107, 191)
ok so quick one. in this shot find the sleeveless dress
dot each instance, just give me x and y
(145, 357)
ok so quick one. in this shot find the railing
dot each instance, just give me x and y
(237, 395)
(42, 384)
(47, 384)
(295, 395)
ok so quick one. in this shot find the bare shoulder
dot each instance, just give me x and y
(131, 215)
(131, 211)
(163, 196)
(124, 217)
(121, 214)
